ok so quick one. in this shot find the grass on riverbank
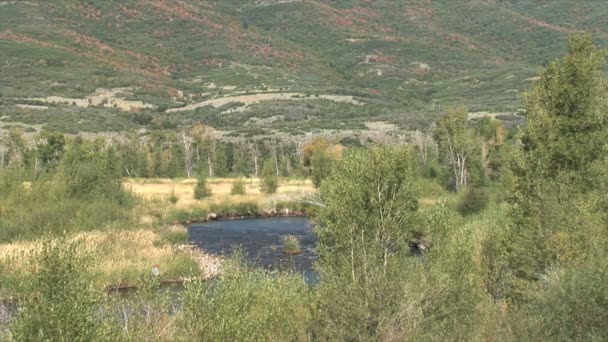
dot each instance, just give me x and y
(117, 257)
(165, 201)
(123, 252)
(161, 189)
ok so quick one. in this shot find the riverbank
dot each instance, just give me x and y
(117, 258)
(122, 254)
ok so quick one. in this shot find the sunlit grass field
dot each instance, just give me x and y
(162, 189)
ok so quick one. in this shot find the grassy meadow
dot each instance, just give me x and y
(159, 190)
(123, 253)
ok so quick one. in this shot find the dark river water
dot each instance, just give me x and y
(261, 240)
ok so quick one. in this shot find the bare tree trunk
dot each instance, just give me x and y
(422, 143)
(458, 161)
(287, 160)
(300, 152)
(209, 164)
(187, 141)
(3, 151)
(35, 167)
(254, 154)
(276, 157)
(211, 157)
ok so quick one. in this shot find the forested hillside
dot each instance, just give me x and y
(291, 66)
(449, 159)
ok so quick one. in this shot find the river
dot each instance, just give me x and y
(261, 240)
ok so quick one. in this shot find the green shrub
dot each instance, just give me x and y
(569, 305)
(247, 304)
(202, 190)
(59, 304)
(270, 181)
(321, 166)
(238, 187)
(291, 244)
(474, 201)
(173, 198)
(175, 237)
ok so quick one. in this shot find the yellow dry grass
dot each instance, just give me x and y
(117, 256)
(161, 189)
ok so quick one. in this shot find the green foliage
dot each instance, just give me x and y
(568, 304)
(175, 237)
(457, 145)
(269, 182)
(238, 187)
(90, 172)
(321, 163)
(60, 304)
(567, 120)
(367, 217)
(173, 198)
(202, 190)
(555, 180)
(83, 192)
(247, 304)
(291, 244)
(474, 200)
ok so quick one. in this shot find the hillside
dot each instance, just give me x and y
(288, 65)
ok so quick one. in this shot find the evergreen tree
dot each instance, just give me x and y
(557, 178)
(270, 181)
(202, 190)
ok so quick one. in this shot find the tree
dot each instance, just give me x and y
(187, 143)
(456, 144)
(365, 222)
(202, 190)
(557, 179)
(321, 166)
(270, 181)
(50, 147)
(90, 172)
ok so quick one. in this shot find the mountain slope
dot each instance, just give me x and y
(404, 60)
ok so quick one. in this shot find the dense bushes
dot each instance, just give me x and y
(85, 193)
(247, 304)
(473, 201)
(60, 304)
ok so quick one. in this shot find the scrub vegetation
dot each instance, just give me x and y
(476, 230)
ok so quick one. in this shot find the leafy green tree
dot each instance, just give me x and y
(90, 172)
(365, 222)
(202, 190)
(321, 166)
(457, 145)
(221, 161)
(556, 178)
(270, 181)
